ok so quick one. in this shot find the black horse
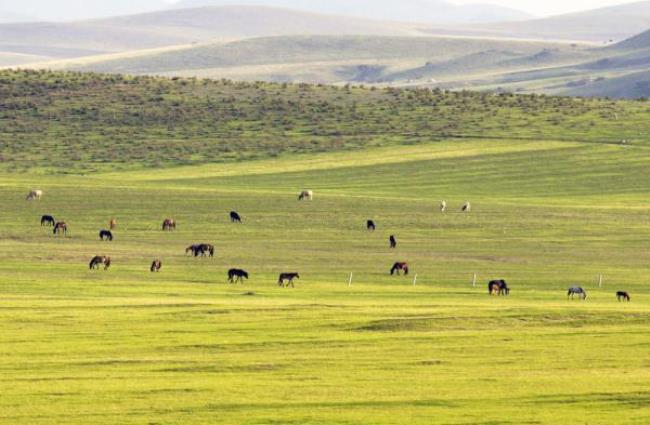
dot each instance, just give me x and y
(234, 217)
(288, 277)
(498, 287)
(393, 242)
(400, 266)
(237, 275)
(622, 296)
(47, 220)
(370, 225)
(106, 235)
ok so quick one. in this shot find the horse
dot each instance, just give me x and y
(306, 194)
(202, 250)
(392, 241)
(498, 287)
(34, 194)
(169, 225)
(106, 235)
(234, 217)
(370, 225)
(60, 228)
(400, 266)
(99, 260)
(156, 266)
(239, 274)
(443, 206)
(622, 296)
(47, 220)
(205, 249)
(112, 224)
(467, 207)
(288, 277)
(576, 290)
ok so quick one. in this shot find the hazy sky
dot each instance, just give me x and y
(76, 9)
(549, 7)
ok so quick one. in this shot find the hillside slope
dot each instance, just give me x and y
(339, 58)
(72, 122)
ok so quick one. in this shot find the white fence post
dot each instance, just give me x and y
(474, 281)
(600, 280)
(415, 279)
(350, 281)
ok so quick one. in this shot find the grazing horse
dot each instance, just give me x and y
(392, 241)
(60, 228)
(99, 260)
(400, 266)
(288, 277)
(622, 296)
(106, 235)
(34, 194)
(47, 220)
(156, 266)
(467, 207)
(576, 290)
(169, 225)
(306, 194)
(237, 275)
(370, 225)
(443, 206)
(498, 287)
(203, 250)
(234, 217)
(112, 224)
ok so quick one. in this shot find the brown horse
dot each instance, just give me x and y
(169, 225)
(156, 266)
(112, 224)
(99, 260)
(203, 250)
(288, 278)
(60, 228)
(392, 241)
(397, 267)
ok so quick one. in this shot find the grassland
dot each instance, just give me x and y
(182, 346)
(557, 200)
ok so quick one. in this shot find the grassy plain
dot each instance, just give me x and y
(182, 346)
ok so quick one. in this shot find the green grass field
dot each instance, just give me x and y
(182, 346)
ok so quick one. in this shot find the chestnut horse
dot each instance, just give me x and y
(60, 228)
(169, 225)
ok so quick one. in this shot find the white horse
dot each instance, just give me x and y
(443, 206)
(35, 194)
(306, 194)
(467, 207)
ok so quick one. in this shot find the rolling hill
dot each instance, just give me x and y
(423, 11)
(335, 58)
(604, 25)
(184, 26)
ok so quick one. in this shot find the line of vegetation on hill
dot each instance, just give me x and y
(81, 123)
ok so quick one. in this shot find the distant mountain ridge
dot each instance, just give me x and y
(421, 11)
